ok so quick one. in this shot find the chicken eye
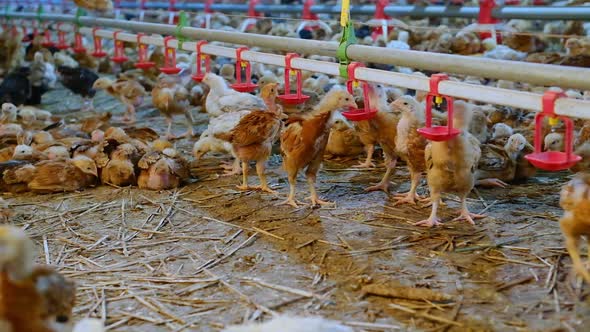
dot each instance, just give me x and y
(62, 319)
(406, 103)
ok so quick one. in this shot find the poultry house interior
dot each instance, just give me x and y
(148, 185)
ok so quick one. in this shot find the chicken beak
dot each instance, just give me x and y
(529, 146)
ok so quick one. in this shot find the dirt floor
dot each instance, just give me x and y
(206, 255)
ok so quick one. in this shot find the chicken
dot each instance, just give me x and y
(16, 88)
(32, 298)
(57, 175)
(99, 5)
(479, 126)
(253, 137)
(171, 98)
(79, 81)
(222, 99)
(575, 222)
(409, 144)
(85, 60)
(497, 165)
(384, 125)
(129, 92)
(24, 151)
(500, 133)
(99, 121)
(41, 73)
(451, 165)
(5, 211)
(209, 143)
(554, 142)
(10, 171)
(343, 140)
(120, 169)
(9, 52)
(292, 324)
(162, 168)
(304, 140)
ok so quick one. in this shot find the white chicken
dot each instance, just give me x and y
(209, 143)
(222, 99)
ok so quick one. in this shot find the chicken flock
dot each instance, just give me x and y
(42, 153)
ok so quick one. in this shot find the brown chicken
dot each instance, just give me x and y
(86, 60)
(56, 175)
(162, 168)
(120, 169)
(575, 201)
(253, 137)
(32, 298)
(409, 144)
(451, 165)
(343, 140)
(99, 121)
(128, 92)
(304, 140)
(384, 125)
(171, 98)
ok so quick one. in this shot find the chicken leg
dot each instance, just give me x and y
(311, 174)
(465, 214)
(433, 219)
(368, 163)
(292, 185)
(169, 134)
(189, 123)
(385, 183)
(260, 168)
(129, 116)
(491, 183)
(233, 169)
(411, 196)
(571, 243)
(244, 185)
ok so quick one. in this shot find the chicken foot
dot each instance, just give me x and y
(129, 116)
(233, 169)
(262, 176)
(491, 183)
(465, 214)
(314, 198)
(368, 161)
(244, 185)
(291, 198)
(433, 219)
(571, 243)
(385, 183)
(411, 196)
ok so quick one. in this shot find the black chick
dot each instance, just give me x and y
(15, 88)
(79, 81)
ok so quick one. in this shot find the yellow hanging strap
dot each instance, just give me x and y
(345, 12)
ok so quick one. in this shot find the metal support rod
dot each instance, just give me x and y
(533, 73)
(518, 99)
(506, 12)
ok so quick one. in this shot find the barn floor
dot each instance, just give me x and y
(206, 255)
